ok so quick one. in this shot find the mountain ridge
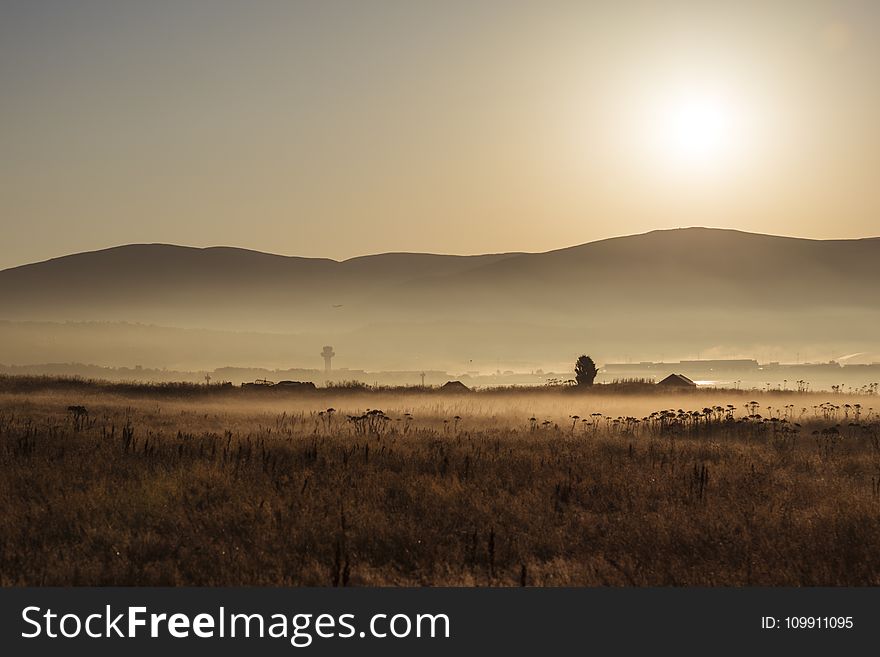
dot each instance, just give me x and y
(243, 250)
(639, 292)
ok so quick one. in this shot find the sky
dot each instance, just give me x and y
(337, 129)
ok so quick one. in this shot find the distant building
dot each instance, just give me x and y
(327, 355)
(301, 385)
(259, 383)
(726, 365)
(677, 381)
(454, 386)
(289, 385)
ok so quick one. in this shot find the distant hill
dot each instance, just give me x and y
(642, 294)
(217, 287)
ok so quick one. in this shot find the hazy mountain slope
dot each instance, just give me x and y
(213, 287)
(683, 268)
(236, 288)
(666, 292)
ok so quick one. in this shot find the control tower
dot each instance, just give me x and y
(327, 354)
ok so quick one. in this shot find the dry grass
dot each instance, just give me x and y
(233, 489)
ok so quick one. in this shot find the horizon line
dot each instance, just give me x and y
(431, 253)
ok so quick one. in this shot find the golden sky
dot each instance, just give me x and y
(338, 129)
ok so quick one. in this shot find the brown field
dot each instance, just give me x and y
(183, 487)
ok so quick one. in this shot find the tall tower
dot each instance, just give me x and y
(327, 354)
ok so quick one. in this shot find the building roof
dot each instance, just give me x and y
(454, 386)
(677, 380)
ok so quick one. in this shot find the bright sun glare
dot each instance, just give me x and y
(699, 128)
(694, 131)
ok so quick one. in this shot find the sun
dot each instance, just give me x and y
(697, 128)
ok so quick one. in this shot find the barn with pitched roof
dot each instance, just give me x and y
(677, 381)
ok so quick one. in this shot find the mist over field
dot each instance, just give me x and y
(487, 293)
(666, 295)
(205, 485)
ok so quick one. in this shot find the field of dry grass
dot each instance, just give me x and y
(485, 489)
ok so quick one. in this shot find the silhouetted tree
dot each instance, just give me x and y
(585, 371)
